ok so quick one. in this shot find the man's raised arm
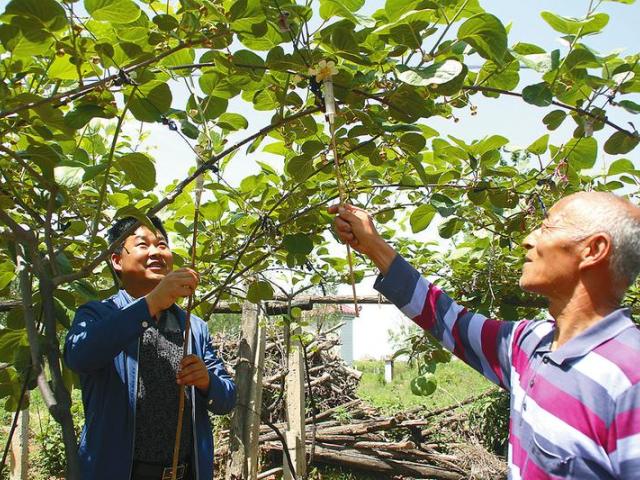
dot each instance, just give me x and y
(482, 343)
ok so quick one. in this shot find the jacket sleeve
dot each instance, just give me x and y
(221, 397)
(482, 343)
(100, 331)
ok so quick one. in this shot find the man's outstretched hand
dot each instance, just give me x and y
(355, 227)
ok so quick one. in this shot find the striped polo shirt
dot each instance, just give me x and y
(575, 411)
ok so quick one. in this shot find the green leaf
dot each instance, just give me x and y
(49, 12)
(621, 166)
(629, 106)
(554, 119)
(165, 22)
(539, 146)
(421, 218)
(7, 273)
(232, 121)
(621, 143)
(424, 385)
(573, 26)
(396, 8)
(502, 198)
(435, 74)
(581, 152)
(300, 167)
(10, 341)
(138, 168)
(69, 176)
(259, 291)
(540, 62)
(497, 76)
(408, 105)
(63, 69)
(538, 94)
(486, 34)
(450, 227)
(343, 39)
(248, 58)
(114, 11)
(39, 42)
(83, 114)
(412, 142)
(339, 8)
(150, 101)
(581, 58)
(266, 99)
(298, 243)
(493, 142)
(130, 211)
(186, 56)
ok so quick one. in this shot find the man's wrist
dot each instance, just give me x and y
(151, 304)
(382, 255)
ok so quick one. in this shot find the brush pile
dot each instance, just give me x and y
(331, 380)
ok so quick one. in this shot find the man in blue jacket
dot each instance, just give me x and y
(127, 351)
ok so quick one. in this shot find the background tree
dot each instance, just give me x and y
(78, 80)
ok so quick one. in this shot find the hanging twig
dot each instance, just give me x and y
(330, 112)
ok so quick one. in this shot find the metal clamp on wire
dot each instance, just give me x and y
(124, 79)
(173, 126)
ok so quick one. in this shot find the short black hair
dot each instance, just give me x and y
(125, 223)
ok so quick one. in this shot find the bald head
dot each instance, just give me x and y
(603, 212)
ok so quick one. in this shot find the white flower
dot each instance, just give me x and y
(324, 70)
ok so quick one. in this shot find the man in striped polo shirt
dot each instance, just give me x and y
(574, 379)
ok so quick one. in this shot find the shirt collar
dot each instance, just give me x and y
(606, 329)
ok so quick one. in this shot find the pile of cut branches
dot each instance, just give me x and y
(331, 380)
(434, 444)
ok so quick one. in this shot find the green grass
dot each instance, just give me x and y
(456, 382)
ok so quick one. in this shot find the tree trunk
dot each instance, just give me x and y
(61, 409)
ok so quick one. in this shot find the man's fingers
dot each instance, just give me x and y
(186, 272)
(190, 379)
(189, 360)
(342, 226)
(192, 371)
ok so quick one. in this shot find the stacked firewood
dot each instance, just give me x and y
(331, 380)
(414, 444)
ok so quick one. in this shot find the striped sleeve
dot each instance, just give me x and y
(482, 343)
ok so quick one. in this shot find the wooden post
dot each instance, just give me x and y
(252, 427)
(19, 456)
(294, 394)
(245, 420)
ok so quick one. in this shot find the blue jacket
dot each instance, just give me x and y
(102, 346)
